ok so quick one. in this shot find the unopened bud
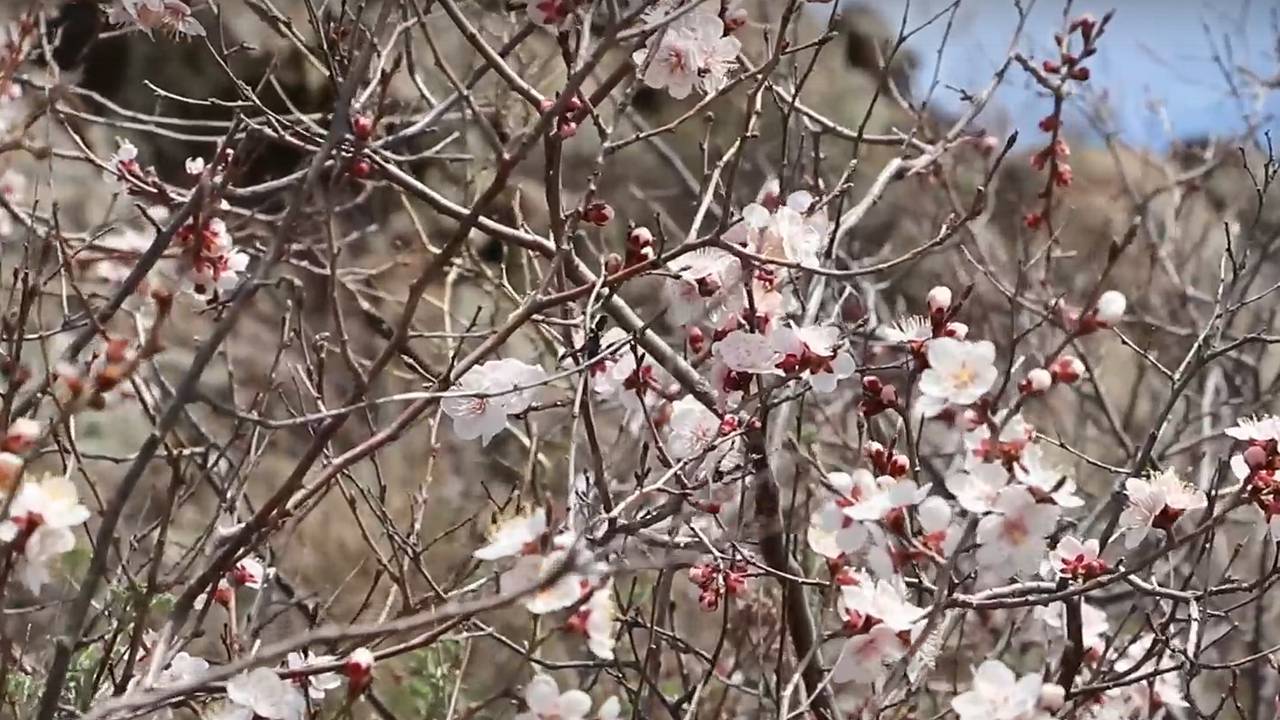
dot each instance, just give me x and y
(566, 129)
(21, 435)
(358, 667)
(1066, 369)
(362, 127)
(598, 214)
(957, 330)
(1255, 457)
(728, 425)
(612, 264)
(10, 468)
(735, 19)
(1052, 696)
(640, 237)
(899, 465)
(1111, 306)
(889, 396)
(1038, 380)
(697, 340)
(939, 299)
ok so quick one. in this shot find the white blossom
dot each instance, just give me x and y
(264, 693)
(1045, 479)
(514, 535)
(533, 570)
(977, 485)
(40, 520)
(866, 658)
(498, 388)
(706, 283)
(316, 684)
(690, 52)
(1162, 498)
(691, 429)
(1012, 539)
(1256, 429)
(545, 701)
(959, 371)
(998, 694)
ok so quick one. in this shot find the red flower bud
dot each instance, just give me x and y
(358, 668)
(728, 425)
(697, 340)
(1066, 369)
(362, 127)
(598, 214)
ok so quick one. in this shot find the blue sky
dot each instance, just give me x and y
(1155, 63)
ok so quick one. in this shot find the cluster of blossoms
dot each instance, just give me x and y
(40, 526)
(558, 576)
(488, 394)
(284, 694)
(1257, 465)
(207, 262)
(169, 17)
(210, 259)
(694, 51)
(715, 580)
(544, 700)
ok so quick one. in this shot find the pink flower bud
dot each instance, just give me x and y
(899, 465)
(709, 599)
(566, 129)
(640, 237)
(697, 340)
(735, 19)
(223, 594)
(21, 435)
(1066, 369)
(728, 425)
(957, 330)
(1110, 308)
(612, 264)
(362, 127)
(702, 575)
(939, 299)
(1038, 380)
(1255, 457)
